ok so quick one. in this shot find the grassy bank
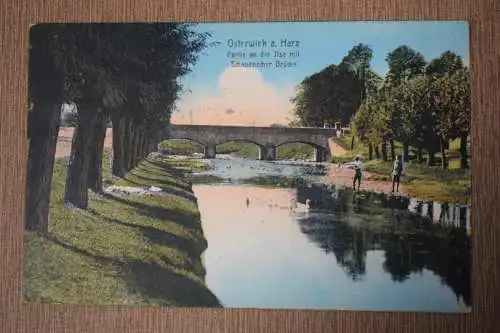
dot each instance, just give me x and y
(288, 151)
(131, 250)
(428, 183)
(422, 181)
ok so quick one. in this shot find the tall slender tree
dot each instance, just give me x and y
(46, 95)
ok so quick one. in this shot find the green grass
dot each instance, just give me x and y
(428, 183)
(132, 250)
(239, 149)
(288, 151)
(422, 181)
(180, 147)
(300, 151)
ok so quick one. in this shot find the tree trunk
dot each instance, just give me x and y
(377, 152)
(384, 150)
(141, 145)
(147, 145)
(464, 163)
(135, 136)
(370, 151)
(432, 158)
(419, 155)
(406, 151)
(393, 150)
(45, 84)
(153, 144)
(43, 127)
(76, 192)
(135, 148)
(127, 143)
(138, 148)
(96, 152)
(444, 162)
(352, 143)
(144, 147)
(118, 168)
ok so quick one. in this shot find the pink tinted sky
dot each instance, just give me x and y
(242, 97)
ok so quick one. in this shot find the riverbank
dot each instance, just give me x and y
(123, 250)
(421, 181)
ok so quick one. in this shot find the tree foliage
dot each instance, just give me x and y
(335, 93)
(127, 72)
(417, 103)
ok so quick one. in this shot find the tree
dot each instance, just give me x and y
(404, 63)
(451, 100)
(381, 125)
(91, 65)
(371, 120)
(357, 62)
(138, 55)
(453, 104)
(362, 121)
(447, 62)
(45, 91)
(310, 100)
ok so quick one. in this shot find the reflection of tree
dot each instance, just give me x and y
(397, 257)
(411, 243)
(347, 244)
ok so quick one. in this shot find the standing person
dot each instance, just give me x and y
(358, 172)
(397, 172)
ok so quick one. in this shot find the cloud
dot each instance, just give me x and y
(242, 98)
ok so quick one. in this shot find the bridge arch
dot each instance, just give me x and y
(258, 148)
(319, 151)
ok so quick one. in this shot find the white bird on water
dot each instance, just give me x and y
(304, 208)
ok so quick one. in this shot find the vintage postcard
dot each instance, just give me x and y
(311, 165)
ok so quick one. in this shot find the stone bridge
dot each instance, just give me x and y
(267, 139)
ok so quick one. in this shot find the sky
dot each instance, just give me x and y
(218, 93)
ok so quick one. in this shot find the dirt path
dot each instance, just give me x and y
(335, 148)
(63, 147)
(336, 175)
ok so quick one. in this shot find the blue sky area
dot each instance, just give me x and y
(324, 43)
(320, 44)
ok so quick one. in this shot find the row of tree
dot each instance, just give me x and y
(124, 73)
(420, 104)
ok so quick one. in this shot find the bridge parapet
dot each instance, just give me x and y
(266, 138)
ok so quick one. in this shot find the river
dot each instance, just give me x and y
(365, 251)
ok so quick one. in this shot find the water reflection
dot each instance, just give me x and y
(365, 251)
(412, 238)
